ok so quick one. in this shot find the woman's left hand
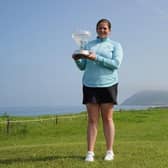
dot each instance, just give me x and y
(91, 56)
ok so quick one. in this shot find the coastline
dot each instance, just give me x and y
(58, 110)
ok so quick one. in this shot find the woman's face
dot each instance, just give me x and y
(103, 30)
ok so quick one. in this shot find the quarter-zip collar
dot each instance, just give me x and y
(102, 39)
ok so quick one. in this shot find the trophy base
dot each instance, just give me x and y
(81, 53)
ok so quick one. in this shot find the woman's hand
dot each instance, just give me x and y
(91, 56)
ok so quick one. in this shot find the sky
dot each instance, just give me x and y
(36, 46)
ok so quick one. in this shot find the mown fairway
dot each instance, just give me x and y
(141, 141)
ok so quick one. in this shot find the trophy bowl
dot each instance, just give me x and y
(81, 39)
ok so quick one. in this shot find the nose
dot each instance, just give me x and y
(101, 29)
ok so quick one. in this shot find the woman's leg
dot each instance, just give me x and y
(93, 117)
(108, 124)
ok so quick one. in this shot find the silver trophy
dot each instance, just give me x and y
(81, 39)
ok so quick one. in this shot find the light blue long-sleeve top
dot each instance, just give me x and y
(103, 71)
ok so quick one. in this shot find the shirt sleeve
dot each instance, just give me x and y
(116, 60)
(81, 64)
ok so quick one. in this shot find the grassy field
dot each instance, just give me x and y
(141, 141)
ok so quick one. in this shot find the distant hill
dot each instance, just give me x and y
(148, 97)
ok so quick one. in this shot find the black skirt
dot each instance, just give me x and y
(100, 95)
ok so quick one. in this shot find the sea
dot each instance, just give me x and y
(56, 110)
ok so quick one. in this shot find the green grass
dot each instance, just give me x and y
(141, 141)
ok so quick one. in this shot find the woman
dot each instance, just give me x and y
(100, 83)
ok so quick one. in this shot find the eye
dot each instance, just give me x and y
(102, 28)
